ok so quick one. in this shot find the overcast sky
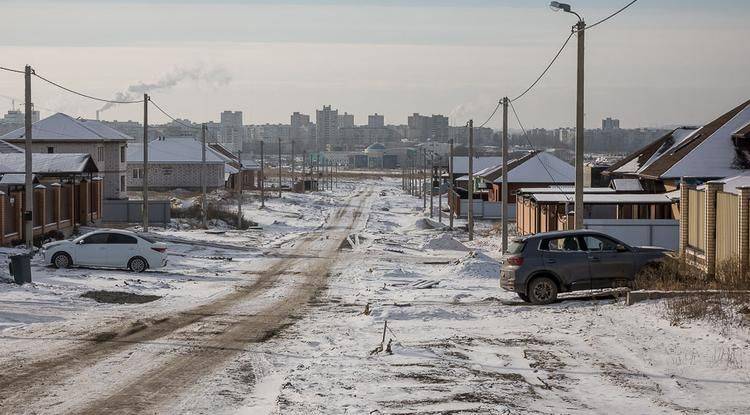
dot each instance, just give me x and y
(661, 62)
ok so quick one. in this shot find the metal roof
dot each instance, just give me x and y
(627, 185)
(600, 198)
(43, 163)
(183, 150)
(62, 127)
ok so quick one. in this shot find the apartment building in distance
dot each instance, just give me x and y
(327, 126)
(231, 130)
(424, 128)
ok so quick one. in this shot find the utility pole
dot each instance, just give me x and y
(203, 176)
(145, 162)
(432, 182)
(239, 191)
(293, 170)
(279, 167)
(304, 169)
(504, 194)
(450, 187)
(471, 181)
(578, 207)
(262, 178)
(424, 178)
(28, 200)
(440, 193)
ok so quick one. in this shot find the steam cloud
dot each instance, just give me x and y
(215, 77)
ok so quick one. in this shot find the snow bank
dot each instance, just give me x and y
(425, 223)
(476, 265)
(445, 242)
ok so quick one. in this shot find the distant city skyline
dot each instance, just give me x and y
(270, 59)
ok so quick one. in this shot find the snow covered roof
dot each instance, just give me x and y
(461, 163)
(183, 150)
(14, 179)
(565, 189)
(231, 158)
(539, 167)
(603, 198)
(731, 184)
(43, 163)
(627, 185)
(62, 127)
(6, 147)
(711, 151)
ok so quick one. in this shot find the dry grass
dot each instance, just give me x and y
(726, 309)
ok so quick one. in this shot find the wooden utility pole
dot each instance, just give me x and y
(239, 191)
(203, 177)
(432, 182)
(471, 181)
(424, 178)
(145, 163)
(578, 208)
(440, 193)
(504, 194)
(450, 187)
(293, 170)
(279, 167)
(28, 199)
(262, 177)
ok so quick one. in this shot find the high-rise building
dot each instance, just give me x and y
(610, 124)
(301, 127)
(376, 121)
(232, 133)
(423, 128)
(346, 120)
(327, 126)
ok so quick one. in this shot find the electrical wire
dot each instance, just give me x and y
(82, 94)
(491, 115)
(171, 117)
(12, 70)
(539, 78)
(611, 15)
(528, 140)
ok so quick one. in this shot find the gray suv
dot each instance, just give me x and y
(538, 267)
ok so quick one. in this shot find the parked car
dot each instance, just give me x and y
(108, 249)
(538, 267)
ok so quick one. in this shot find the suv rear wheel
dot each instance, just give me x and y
(542, 290)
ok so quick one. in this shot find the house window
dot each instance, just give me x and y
(50, 150)
(166, 171)
(122, 183)
(123, 154)
(136, 174)
(100, 153)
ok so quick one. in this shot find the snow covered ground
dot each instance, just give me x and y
(458, 343)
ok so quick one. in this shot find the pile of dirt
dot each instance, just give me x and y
(425, 223)
(119, 297)
(445, 242)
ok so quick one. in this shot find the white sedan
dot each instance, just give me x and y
(109, 249)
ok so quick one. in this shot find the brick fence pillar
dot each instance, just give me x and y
(743, 231)
(56, 204)
(684, 215)
(3, 206)
(712, 188)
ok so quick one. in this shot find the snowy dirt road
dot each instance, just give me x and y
(143, 365)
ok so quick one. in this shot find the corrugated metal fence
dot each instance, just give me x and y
(727, 225)
(697, 219)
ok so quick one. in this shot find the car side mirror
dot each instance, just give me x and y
(621, 248)
(80, 242)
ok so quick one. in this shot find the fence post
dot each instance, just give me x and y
(744, 232)
(712, 188)
(2, 217)
(684, 216)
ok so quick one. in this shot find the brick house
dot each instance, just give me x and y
(61, 133)
(176, 163)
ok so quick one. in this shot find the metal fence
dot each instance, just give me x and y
(131, 211)
(639, 232)
(697, 219)
(727, 225)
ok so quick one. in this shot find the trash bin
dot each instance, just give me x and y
(20, 268)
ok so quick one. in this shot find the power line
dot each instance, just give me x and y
(171, 117)
(557, 55)
(82, 94)
(611, 15)
(491, 115)
(528, 140)
(12, 70)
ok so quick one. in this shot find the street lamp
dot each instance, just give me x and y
(579, 29)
